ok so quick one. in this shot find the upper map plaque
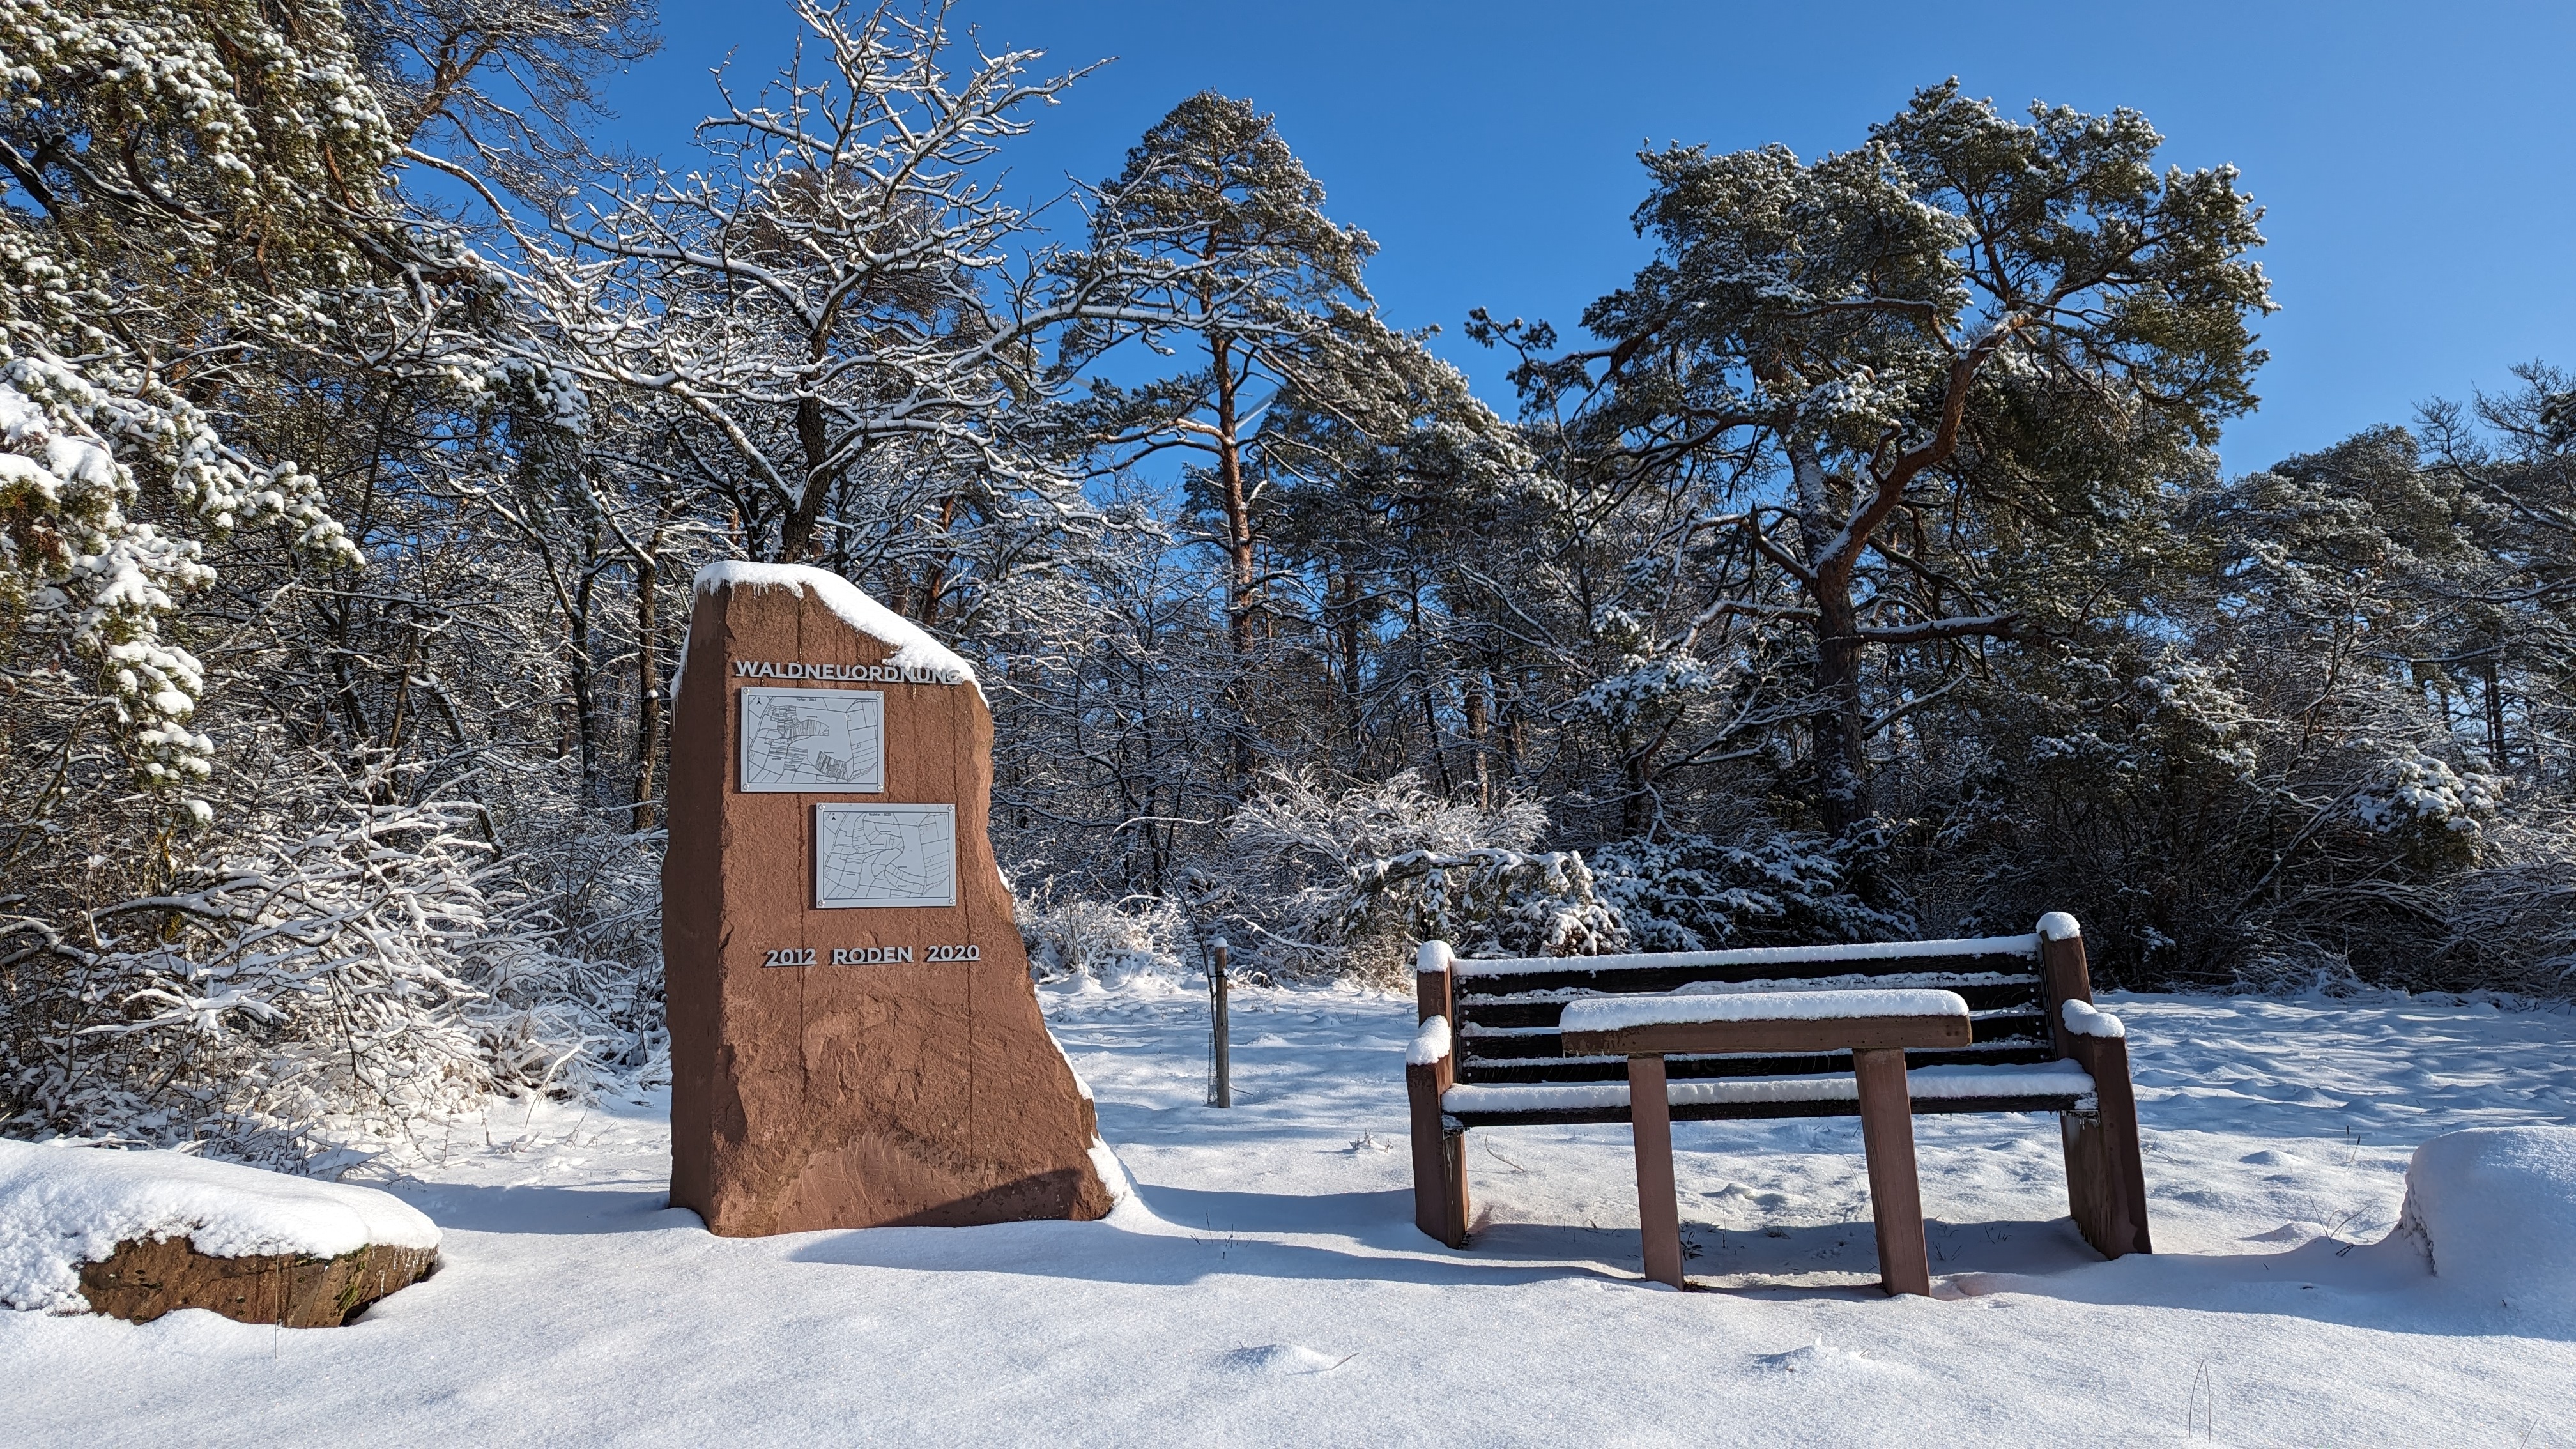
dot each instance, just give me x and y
(820, 740)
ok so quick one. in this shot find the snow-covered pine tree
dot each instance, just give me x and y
(1851, 365)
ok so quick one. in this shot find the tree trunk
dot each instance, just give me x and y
(1479, 726)
(648, 681)
(1431, 731)
(796, 539)
(2496, 750)
(1238, 528)
(1238, 510)
(1634, 817)
(1345, 594)
(1842, 779)
(578, 659)
(937, 581)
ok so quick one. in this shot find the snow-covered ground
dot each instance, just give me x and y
(1267, 1284)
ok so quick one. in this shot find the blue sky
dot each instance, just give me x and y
(2418, 162)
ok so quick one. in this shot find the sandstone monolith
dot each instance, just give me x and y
(854, 1038)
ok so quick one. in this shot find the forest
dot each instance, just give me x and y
(1861, 567)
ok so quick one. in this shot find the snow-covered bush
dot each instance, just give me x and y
(338, 973)
(2436, 810)
(1299, 814)
(1774, 887)
(2296, 967)
(1490, 902)
(2509, 923)
(1112, 945)
(1354, 876)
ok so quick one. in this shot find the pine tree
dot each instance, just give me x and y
(1224, 231)
(1844, 358)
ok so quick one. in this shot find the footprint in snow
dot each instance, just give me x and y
(1816, 1358)
(1282, 1358)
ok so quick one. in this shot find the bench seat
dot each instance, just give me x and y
(2057, 1086)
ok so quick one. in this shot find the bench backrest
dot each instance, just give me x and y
(1504, 1012)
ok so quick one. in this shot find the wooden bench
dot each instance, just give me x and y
(1489, 1053)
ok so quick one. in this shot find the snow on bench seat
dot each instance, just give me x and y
(1610, 1013)
(2049, 1081)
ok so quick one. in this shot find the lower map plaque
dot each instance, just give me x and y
(884, 855)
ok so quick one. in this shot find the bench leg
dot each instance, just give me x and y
(1895, 1196)
(1659, 1219)
(1439, 1163)
(2106, 1180)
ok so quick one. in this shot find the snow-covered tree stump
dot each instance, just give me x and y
(854, 1038)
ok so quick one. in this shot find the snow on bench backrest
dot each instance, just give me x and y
(2026, 945)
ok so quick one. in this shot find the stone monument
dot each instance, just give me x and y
(854, 1039)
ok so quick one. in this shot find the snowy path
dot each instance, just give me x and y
(1271, 1289)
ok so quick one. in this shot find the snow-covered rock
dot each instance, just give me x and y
(2493, 1210)
(64, 1207)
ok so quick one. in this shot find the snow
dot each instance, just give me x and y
(2059, 926)
(2051, 1079)
(1855, 981)
(1610, 1013)
(2046, 1079)
(1433, 959)
(576, 1307)
(2083, 1019)
(2493, 1211)
(65, 1205)
(913, 646)
(1756, 956)
(1430, 1043)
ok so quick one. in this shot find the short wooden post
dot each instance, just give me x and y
(1895, 1194)
(1440, 1206)
(1220, 1031)
(1434, 992)
(1439, 1166)
(1659, 1220)
(2063, 977)
(2106, 1183)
